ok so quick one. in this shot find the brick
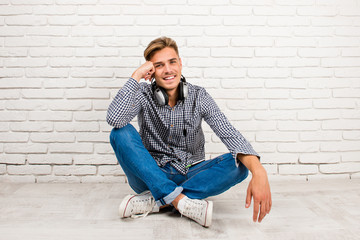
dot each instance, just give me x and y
(50, 116)
(26, 20)
(275, 115)
(298, 147)
(76, 2)
(197, 21)
(72, 42)
(96, 52)
(87, 94)
(48, 31)
(351, 135)
(340, 168)
(64, 83)
(12, 31)
(208, 62)
(224, 73)
(61, 159)
(11, 10)
(347, 73)
(71, 62)
(12, 116)
(91, 73)
(350, 156)
(70, 105)
(271, 168)
(14, 137)
(298, 169)
(32, 127)
(242, 83)
(279, 158)
(247, 104)
(74, 170)
(77, 127)
(29, 169)
(111, 170)
(4, 127)
(71, 147)
(312, 72)
(2, 169)
(271, 31)
(251, 42)
(11, 73)
(104, 179)
(85, 31)
(231, 10)
(313, 31)
(268, 94)
(54, 10)
(299, 125)
(276, 11)
(133, 31)
(51, 52)
(116, 62)
(278, 21)
(228, 52)
(47, 72)
(276, 137)
(26, 105)
(343, 146)
(348, 52)
(296, 42)
(25, 148)
(58, 179)
(315, 158)
(350, 114)
(320, 136)
(286, 83)
(69, 20)
(101, 104)
(52, 137)
(41, 93)
(92, 137)
(346, 93)
(13, 52)
(244, 21)
(103, 159)
(318, 52)
(238, 115)
(99, 10)
(103, 148)
(90, 116)
(207, 42)
(310, 93)
(331, 21)
(25, 62)
(334, 103)
(114, 20)
(18, 179)
(317, 11)
(341, 124)
(31, 2)
(339, 42)
(346, 31)
(9, 94)
(275, 52)
(13, 159)
(290, 104)
(264, 147)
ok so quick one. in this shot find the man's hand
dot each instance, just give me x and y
(144, 71)
(259, 187)
(259, 190)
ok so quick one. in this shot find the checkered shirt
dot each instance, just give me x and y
(162, 127)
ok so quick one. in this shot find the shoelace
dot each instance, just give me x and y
(143, 204)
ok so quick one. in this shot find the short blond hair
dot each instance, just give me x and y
(159, 44)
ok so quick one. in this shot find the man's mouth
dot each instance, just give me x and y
(170, 77)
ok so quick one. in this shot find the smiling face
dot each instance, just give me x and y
(168, 68)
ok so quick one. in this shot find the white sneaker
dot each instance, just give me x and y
(138, 205)
(198, 210)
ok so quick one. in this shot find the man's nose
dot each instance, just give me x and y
(167, 68)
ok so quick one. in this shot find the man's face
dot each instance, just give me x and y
(168, 68)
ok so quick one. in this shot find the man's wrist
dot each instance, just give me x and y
(251, 162)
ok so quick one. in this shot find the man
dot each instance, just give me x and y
(165, 162)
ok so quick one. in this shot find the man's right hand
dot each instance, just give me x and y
(144, 71)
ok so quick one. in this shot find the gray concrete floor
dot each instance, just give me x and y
(321, 209)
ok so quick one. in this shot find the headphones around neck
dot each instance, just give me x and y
(161, 96)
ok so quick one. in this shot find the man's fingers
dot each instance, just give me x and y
(256, 211)
(262, 212)
(248, 198)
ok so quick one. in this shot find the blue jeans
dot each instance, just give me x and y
(203, 180)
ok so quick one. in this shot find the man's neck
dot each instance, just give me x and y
(173, 96)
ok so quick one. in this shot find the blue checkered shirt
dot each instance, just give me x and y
(162, 127)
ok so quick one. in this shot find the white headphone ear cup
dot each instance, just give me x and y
(185, 90)
(160, 96)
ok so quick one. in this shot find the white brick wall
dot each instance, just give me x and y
(286, 73)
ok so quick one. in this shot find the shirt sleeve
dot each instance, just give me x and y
(125, 106)
(231, 137)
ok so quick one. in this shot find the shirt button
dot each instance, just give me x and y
(171, 125)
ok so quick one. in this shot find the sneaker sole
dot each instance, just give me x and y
(208, 217)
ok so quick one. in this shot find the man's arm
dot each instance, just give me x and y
(259, 187)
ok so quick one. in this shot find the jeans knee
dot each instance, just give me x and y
(121, 134)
